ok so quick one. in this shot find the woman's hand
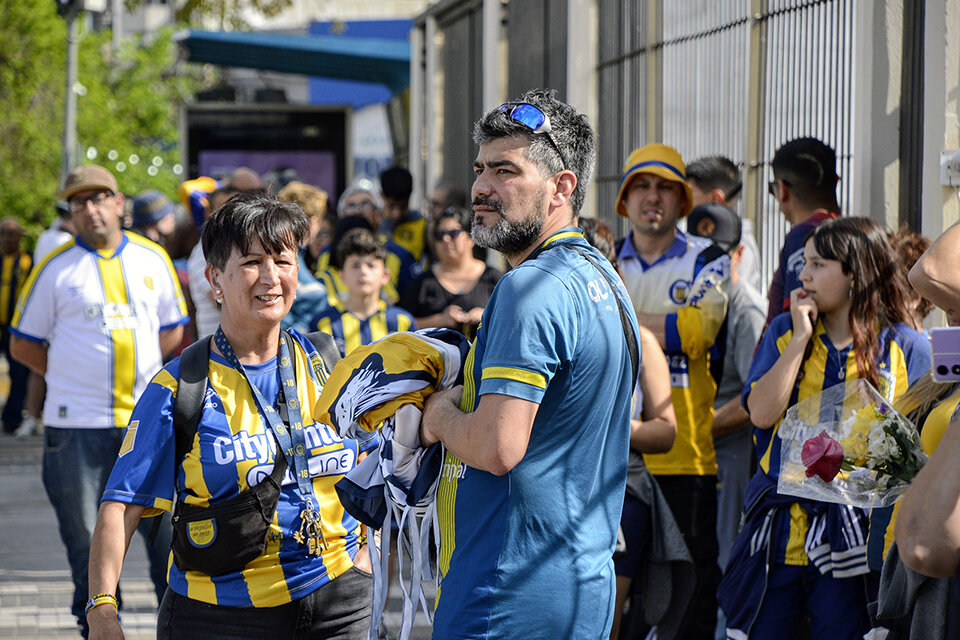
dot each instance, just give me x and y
(104, 623)
(803, 312)
(362, 558)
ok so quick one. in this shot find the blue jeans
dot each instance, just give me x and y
(338, 610)
(76, 466)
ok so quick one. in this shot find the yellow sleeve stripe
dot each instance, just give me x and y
(519, 375)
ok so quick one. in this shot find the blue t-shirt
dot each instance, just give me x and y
(529, 554)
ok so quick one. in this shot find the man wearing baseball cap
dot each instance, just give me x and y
(153, 216)
(746, 310)
(677, 284)
(94, 319)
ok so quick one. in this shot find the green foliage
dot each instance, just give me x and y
(226, 14)
(131, 107)
(32, 77)
(129, 103)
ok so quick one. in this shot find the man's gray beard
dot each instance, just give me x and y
(508, 237)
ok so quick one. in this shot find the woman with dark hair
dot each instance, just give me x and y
(256, 436)
(455, 290)
(849, 319)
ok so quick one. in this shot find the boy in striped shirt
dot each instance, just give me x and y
(363, 317)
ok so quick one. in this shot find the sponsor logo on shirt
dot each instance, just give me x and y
(241, 447)
(679, 371)
(114, 315)
(451, 471)
(598, 290)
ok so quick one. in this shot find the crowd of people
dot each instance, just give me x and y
(611, 461)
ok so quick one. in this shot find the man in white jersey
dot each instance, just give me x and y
(95, 319)
(677, 283)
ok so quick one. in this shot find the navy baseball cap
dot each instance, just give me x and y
(717, 222)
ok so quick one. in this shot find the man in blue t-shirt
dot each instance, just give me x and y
(537, 438)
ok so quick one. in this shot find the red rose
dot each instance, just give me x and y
(822, 456)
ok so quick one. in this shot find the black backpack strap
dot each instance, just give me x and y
(188, 404)
(191, 388)
(327, 347)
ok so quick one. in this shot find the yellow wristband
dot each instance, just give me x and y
(99, 599)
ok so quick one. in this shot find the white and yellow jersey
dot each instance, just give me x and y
(101, 314)
(687, 284)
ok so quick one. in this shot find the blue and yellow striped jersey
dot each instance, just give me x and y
(400, 262)
(232, 451)
(350, 332)
(904, 358)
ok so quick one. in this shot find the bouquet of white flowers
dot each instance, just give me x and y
(848, 445)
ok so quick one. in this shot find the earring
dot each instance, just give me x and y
(218, 296)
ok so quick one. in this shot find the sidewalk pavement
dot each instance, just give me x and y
(35, 585)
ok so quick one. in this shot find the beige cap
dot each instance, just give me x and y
(88, 178)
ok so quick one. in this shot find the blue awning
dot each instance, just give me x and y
(377, 60)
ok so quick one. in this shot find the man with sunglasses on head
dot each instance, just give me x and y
(677, 283)
(533, 479)
(94, 319)
(805, 186)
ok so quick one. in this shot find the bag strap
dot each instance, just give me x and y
(191, 388)
(327, 347)
(628, 332)
(187, 405)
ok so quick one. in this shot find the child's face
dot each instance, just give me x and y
(364, 275)
(825, 280)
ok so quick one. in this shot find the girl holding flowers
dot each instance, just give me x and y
(848, 320)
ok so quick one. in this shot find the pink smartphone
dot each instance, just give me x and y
(945, 352)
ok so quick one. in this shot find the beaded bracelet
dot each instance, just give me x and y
(99, 599)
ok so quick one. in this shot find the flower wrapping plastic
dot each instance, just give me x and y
(848, 445)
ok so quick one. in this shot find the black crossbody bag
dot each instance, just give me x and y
(223, 537)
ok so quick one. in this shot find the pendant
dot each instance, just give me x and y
(311, 531)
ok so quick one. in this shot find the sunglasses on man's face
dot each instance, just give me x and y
(534, 119)
(453, 234)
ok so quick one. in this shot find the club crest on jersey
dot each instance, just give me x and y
(679, 291)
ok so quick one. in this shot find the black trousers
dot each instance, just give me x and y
(693, 500)
(339, 610)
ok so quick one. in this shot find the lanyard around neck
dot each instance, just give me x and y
(292, 441)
